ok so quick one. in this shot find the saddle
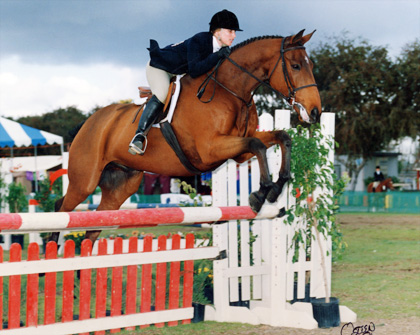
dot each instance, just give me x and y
(146, 92)
(164, 124)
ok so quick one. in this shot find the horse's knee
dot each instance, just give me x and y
(284, 138)
(284, 135)
(256, 146)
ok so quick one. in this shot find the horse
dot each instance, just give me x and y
(218, 125)
(383, 186)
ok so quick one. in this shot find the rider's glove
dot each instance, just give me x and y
(224, 52)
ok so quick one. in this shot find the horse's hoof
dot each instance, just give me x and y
(282, 212)
(274, 193)
(255, 201)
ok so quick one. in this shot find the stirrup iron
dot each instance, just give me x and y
(134, 149)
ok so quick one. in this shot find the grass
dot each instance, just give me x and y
(379, 274)
(159, 230)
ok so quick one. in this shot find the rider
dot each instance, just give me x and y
(377, 177)
(194, 56)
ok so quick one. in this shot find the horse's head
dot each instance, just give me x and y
(388, 183)
(295, 79)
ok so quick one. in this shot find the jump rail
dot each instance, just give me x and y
(36, 222)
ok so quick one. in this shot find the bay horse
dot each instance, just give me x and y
(209, 133)
(383, 186)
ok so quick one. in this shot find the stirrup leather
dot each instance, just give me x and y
(134, 149)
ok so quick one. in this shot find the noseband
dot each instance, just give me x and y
(292, 90)
(290, 99)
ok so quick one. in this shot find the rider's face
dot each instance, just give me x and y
(225, 36)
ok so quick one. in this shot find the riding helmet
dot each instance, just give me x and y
(224, 19)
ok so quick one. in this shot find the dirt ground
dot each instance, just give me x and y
(409, 326)
(356, 219)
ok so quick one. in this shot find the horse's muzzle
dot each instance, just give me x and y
(315, 115)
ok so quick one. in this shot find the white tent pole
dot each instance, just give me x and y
(65, 165)
(36, 169)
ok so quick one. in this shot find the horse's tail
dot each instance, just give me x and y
(76, 129)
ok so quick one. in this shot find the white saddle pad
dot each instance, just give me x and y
(174, 101)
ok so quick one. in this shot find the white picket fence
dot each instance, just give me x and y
(266, 276)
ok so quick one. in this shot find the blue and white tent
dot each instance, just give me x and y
(15, 134)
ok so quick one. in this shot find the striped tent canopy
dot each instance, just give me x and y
(15, 134)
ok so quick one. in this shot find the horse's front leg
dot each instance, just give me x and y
(285, 143)
(257, 198)
(269, 139)
(225, 147)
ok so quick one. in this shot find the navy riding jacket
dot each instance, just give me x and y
(193, 56)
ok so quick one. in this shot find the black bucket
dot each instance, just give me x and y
(198, 312)
(326, 314)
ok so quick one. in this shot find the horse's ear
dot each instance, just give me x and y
(298, 36)
(306, 38)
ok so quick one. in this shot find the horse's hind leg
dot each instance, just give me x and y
(116, 185)
(55, 235)
(78, 190)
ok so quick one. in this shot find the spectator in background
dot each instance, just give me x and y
(377, 177)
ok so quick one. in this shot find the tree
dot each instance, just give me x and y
(59, 121)
(16, 198)
(357, 82)
(405, 104)
(48, 194)
(3, 190)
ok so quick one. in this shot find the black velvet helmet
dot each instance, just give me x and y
(224, 19)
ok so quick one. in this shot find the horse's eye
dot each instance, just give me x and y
(295, 66)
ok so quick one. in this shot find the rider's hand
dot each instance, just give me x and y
(224, 52)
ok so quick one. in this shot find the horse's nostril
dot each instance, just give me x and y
(315, 113)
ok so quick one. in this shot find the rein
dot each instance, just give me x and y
(290, 99)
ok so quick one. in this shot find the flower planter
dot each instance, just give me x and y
(326, 314)
(198, 312)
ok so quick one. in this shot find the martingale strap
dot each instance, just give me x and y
(170, 137)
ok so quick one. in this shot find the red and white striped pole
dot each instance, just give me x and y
(30, 222)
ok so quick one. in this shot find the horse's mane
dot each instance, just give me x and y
(253, 39)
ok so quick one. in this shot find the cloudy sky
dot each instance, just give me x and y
(84, 53)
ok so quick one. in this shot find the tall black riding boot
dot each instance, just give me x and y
(139, 142)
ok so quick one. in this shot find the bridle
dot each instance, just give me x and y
(290, 99)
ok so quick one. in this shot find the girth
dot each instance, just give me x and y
(166, 128)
